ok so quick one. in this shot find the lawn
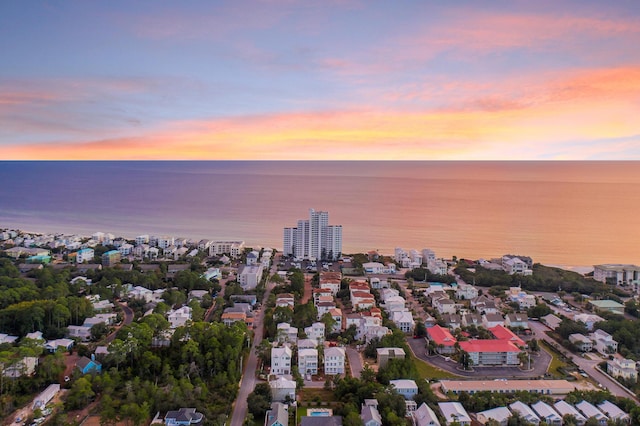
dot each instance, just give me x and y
(556, 361)
(429, 372)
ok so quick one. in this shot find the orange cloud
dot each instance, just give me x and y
(549, 118)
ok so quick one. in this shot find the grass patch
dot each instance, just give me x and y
(428, 371)
(556, 361)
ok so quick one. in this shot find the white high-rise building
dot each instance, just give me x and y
(313, 238)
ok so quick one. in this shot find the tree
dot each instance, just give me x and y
(259, 401)
(420, 329)
(80, 394)
(98, 331)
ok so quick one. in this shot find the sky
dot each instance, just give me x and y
(319, 80)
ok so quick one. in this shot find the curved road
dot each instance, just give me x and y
(128, 319)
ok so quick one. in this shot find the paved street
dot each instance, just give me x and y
(355, 361)
(587, 365)
(248, 382)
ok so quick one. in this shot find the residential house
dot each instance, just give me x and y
(525, 412)
(622, 367)
(24, 367)
(518, 319)
(604, 343)
(85, 255)
(63, 344)
(229, 318)
(281, 360)
(498, 414)
(405, 387)
(404, 321)
(286, 333)
(324, 307)
(565, 409)
(551, 321)
(445, 306)
(334, 360)
(331, 281)
(514, 265)
(252, 258)
(283, 389)
(386, 354)
(375, 332)
(183, 416)
(547, 413)
(589, 320)
(278, 415)
(395, 303)
(87, 365)
(336, 315)
(492, 320)
(613, 412)
(378, 284)
(250, 276)
(589, 411)
(424, 416)
(285, 300)
(308, 361)
(179, 317)
(472, 319)
(582, 342)
(369, 413)
(316, 331)
(442, 338)
(307, 344)
(452, 321)
(454, 412)
(79, 332)
(466, 292)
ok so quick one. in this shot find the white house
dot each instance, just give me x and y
(499, 414)
(334, 360)
(250, 277)
(404, 321)
(281, 360)
(316, 331)
(445, 306)
(395, 303)
(517, 319)
(454, 412)
(589, 320)
(589, 410)
(622, 367)
(564, 408)
(308, 361)
(613, 411)
(603, 342)
(405, 387)
(179, 317)
(492, 320)
(425, 416)
(525, 412)
(286, 333)
(283, 388)
(85, 255)
(466, 292)
(547, 413)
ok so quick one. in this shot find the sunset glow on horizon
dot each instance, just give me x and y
(335, 80)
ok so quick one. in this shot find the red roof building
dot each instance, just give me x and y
(442, 338)
(503, 333)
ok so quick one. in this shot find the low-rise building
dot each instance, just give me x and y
(547, 413)
(425, 416)
(525, 412)
(278, 415)
(454, 412)
(250, 276)
(442, 339)
(589, 320)
(369, 413)
(608, 306)
(603, 342)
(589, 411)
(183, 417)
(283, 389)
(498, 414)
(386, 354)
(516, 320)
(565, 409)
(544, 387)
(623, 368)
(582, 342)
(404, 321)
(308, 361)
(613, 412)
(405, 387)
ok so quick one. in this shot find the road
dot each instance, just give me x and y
(248, 381)
(355, 361)
(588, 365)
(128, 319)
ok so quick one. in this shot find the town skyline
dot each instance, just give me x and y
(335, 80)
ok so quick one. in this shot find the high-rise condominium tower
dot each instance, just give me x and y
(313, 238)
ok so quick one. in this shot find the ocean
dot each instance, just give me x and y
(559, 213)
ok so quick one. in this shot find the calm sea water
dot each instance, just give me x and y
(563, 213)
